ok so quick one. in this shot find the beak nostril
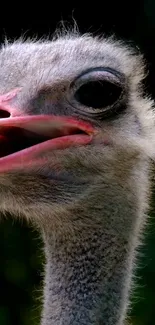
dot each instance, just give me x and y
(4, 114)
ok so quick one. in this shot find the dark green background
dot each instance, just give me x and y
(20, 246)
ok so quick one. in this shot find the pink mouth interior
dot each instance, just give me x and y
(24, 138)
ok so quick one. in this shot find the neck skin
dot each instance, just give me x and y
(88, 269)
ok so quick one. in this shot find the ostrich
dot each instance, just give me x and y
(77, 141)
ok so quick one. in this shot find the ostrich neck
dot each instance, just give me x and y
(86, 280)
(88, 270)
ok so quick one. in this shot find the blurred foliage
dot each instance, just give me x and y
(20, 274)
(21, 247)
(143, 299)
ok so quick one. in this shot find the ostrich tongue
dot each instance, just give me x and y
(28, 136)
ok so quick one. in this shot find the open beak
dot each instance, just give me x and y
(23, 139)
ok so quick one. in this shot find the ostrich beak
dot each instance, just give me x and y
(23, 139)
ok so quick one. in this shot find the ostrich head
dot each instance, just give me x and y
(77, 135)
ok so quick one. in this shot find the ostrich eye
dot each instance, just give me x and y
(97, 90)
(98, 93)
